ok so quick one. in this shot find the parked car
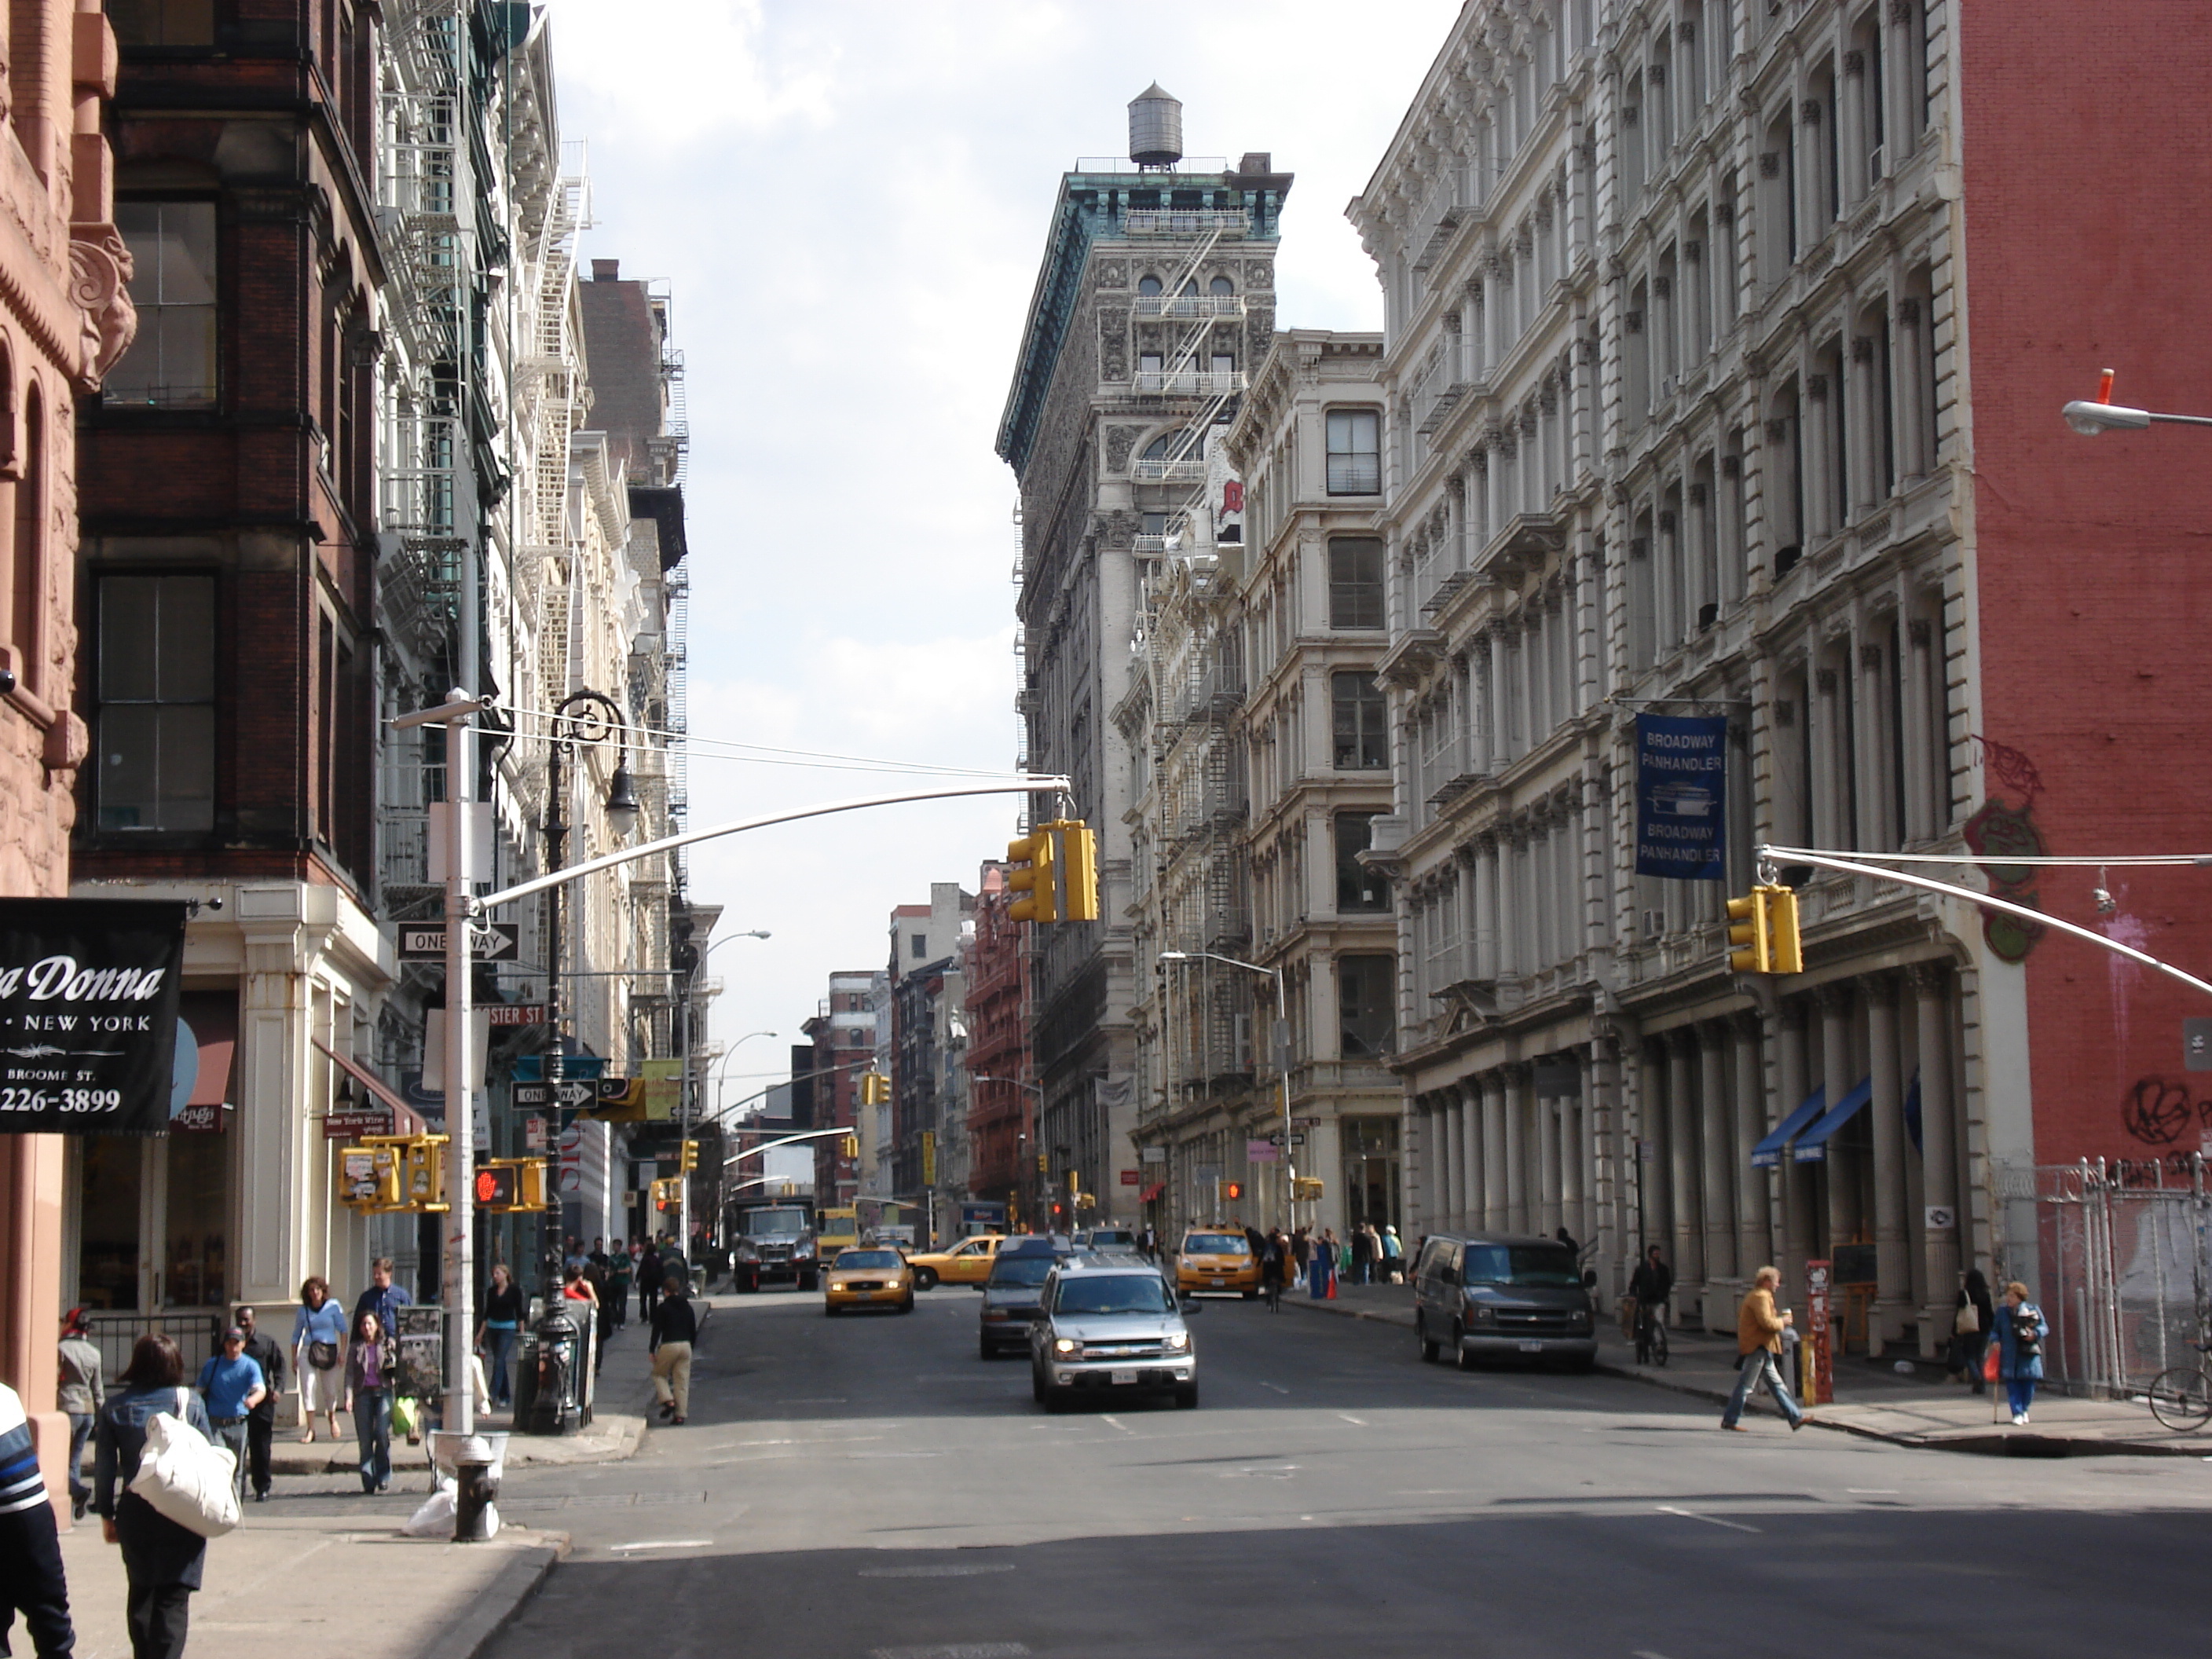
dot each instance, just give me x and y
(1109, 1323)
(1499, 1296)
(868, 1278)
(1014, 1292)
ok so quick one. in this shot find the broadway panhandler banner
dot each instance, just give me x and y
(88, 1014)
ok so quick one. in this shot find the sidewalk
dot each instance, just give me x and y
(297, 1583)
(1872, 1398)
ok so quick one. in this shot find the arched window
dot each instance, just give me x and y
(1190, 287)
(27, 583)
(1221, 285)
(1162, 447)
(1148, 285)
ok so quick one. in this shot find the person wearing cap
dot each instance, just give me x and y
(81, 1394)
(232, 1386)
(265, 1351)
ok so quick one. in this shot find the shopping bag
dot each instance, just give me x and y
(406, 1419)
(186, 1477)
(1990, 1364)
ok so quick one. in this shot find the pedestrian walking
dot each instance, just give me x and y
(1362, 1253)
(648, 1281)
(265, 1351)
(1394, 1255)
(1274, 1266)
(1759, 1330)
(80, 1393)
(496, 1332)
(1149, 1242)
(1974, 1317)
(383, 1298)
(675, 1328)
(319, 1342)
(31, 1580)
(161, 1560)
(620, 1276)
(372, 1366)
(232, 1386)
(2020, 1327)
(1645, 1307)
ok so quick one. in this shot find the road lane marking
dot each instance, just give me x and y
(1646, 1653)
(954, 1650)
(821, 1440)
(969, 1569)
(1277, 1387)
(1874, 1491)
(667, 1544)
(1356, 1422)
(1709, 1520)
(1118, 1424)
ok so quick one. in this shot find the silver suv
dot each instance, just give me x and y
(1109, 1323)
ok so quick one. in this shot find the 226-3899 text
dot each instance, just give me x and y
(60, 1100)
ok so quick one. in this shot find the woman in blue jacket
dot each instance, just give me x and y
(2020, 1332)
(161, 1560)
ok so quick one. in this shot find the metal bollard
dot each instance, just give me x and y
(474, 1490)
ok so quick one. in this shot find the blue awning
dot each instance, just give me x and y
(1812, 1145)
(1768, 1152)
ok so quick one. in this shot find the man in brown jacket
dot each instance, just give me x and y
(1759, 1330)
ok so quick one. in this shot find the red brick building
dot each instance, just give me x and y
(1002, 1110)
(66, 316)
(843, 1033)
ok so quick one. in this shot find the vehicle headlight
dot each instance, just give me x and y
(1067, 1346)
(802, 1250)
(1582, 1320)
(1481, 1314)
(747, 1253)
(1176, 1342)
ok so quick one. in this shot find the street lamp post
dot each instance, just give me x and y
(589, 718)
(1282, 1062)
(1021, 1139)
(2093, 417)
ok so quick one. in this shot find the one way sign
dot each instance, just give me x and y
(489, 941)
(573, 1094)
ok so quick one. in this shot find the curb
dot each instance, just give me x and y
(493, 1611)
(1981, 1445)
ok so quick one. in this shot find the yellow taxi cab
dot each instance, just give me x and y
(1216, 1259)
(869, 1277)
(968, 1262)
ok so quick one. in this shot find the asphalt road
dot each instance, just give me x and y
(867, 1487)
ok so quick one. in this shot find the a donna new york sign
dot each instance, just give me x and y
(89, 991)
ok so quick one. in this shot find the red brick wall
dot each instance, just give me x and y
(2088, 170)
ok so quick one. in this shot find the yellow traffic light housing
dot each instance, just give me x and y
(1762, 936)
(368, 1177)
(537, 1184)
(508, 1185)
(667, 1194)
(1306, 1189)
(850, 1146)
(1033, 877)
(875, 1088)
(1079, 863)
(689, 1160)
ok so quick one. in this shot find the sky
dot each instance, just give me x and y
(847, 200)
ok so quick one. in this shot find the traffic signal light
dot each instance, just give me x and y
(850, 1147)
(689, 1160)
(1763, 931)
(1041, 1164)
(1232, 1190)
(1078, 880)
(498, 1187)
(1033, 877)
(1306, 1189)
(875, 1088)
(667, 1194)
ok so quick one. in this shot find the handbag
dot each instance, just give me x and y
(1968, 1322)
(1990, 1364)
(322, 1355)
(187, 1478)
(406, 1418)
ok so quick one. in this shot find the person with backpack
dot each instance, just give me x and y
(2020, 1333)
(162, 1560)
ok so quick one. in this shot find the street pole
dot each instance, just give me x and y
(1282, 1047)
(550, 1225)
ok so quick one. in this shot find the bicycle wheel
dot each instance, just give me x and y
(2181, 1399)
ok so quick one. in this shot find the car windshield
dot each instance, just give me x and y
(1116, 1293)
(1021, 1270)
(853, 1259)
(1215, 1245)
(1542, 1267)
(775, 1224)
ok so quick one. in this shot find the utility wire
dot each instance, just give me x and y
(768, 755)
(2144, 861)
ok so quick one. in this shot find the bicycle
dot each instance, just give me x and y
(1650, 1336)
(2181, 1398)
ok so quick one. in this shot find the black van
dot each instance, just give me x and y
(1492, 1296)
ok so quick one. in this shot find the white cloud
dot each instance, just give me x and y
(848, 199)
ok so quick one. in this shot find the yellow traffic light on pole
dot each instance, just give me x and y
(850, 1146)
(1762, 936)
(689, 1158)
(1033, 877)
(875, 1088)
(1078, 876)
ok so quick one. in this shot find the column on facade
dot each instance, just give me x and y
(1577, 1213)
(1490, 1092)
(1456, 1140)
(1835, 1076)
(1519, 1213)
(1475, 741)
(1819, 408)
(1793, 1182)
(1716, 1142)
(1681, 1155)
(1467, 1106)
(1609, 1189)
(1654, 1118)
(1551, 1173)
(1917, 717)
(1939, 1142)
(1500, 707)
(1893, 1292)
(1755, 1242)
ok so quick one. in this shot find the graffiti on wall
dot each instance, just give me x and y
(2158, 1111)
(2007, 828)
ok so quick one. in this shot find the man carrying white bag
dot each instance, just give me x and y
(180, 1489)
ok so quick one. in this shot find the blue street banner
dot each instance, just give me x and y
(1681, 796)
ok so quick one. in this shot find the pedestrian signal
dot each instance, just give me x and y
(1763, 931)
(498, 1187)
(668, 1194)
(1033, 878)
(1306, 1189)
(1232, 1190)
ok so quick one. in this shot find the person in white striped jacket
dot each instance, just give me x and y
(32, 1581)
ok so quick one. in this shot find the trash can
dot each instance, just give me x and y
(545, 1386)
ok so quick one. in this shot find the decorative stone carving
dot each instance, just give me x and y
(1113, 273)
(1119, 441)
(100, 268)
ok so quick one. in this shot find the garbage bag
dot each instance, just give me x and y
(436, 1519)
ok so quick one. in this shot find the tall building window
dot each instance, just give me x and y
(1148, 285)
(1367, 1000)
(1358, 716)
(1355, 582)
(1355, 452)
(162, 22)
(171, 362)
(1357, 888)
(154, 739)
(920, 946)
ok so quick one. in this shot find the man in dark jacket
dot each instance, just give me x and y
(261, 1422)
(648, 1281)
(675, 1328)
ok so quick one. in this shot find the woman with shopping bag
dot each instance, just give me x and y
(372, 1366)
(163, 1557)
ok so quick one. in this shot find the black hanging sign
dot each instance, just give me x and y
(88, 1007)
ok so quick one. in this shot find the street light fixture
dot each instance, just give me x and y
(1283, 1061)
(2094, 419)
